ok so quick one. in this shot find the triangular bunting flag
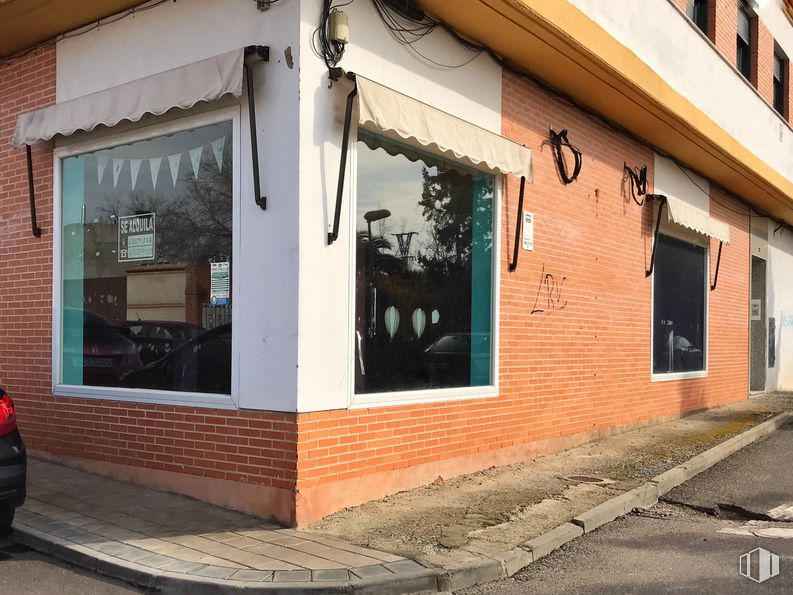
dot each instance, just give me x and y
(101, 163)
(195, 159)
(217, 149)
(174, 161)
(117, 165)
(134, 169)
(154, 166)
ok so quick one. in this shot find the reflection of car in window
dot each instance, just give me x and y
(201, 365)
(156, 339)
(107, 351)
(452, 357)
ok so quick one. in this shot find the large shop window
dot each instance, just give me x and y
(146, 263)
(424, 270)
(679, 310)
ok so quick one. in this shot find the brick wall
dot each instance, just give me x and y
(723, 16)
(763, 60)
(254, 448)
(579, 366)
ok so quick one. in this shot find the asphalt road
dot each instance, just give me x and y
(25, 572)
(690, 543)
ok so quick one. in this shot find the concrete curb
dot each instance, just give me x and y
(425, 580)
(483, 570)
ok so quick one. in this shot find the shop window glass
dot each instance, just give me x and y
(146, 261)
(424, 270)
(679, 306)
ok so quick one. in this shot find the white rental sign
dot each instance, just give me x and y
(136, 237)
(528, 230)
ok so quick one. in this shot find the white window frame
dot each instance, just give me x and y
(435, 395)
(122, 135)
(695, 239)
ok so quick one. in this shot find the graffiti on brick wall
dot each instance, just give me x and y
(550, 293)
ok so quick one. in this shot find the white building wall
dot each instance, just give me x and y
(178, 33)
(672, 46)
(779, 304)
(472, 92)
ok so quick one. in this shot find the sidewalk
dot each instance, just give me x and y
(449, 535)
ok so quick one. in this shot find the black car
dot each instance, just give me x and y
(13, 464)
(156, 339)
(201, 365)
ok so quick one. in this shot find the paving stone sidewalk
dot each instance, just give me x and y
(143, 534)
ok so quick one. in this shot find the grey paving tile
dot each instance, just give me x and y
(334, 554)
(375, 570)
(330, 575)
(294, 557)
(155, 561)
(182, 567)
(404, 567)
(252, 575)
(349, 547)
(216, 572)
(291, 576)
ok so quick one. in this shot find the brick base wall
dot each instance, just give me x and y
(575, 322)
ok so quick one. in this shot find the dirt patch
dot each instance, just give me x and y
(484, 513)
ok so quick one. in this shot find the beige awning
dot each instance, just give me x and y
(181, 87)
(403, 118)
(693, 218)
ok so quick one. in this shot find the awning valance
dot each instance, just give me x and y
(693, 218)
(181, 87)
(400, 117)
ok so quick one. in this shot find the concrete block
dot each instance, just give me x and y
(515, 559)
(394, 584)
(474, 572)
(669, 479)
(645, 496)
(547, 542)
(606, 512)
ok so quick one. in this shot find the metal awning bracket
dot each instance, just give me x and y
(718, 264)
(262, 52)
(34, 224)
(518, 224)
(662, 198)
(333, 235)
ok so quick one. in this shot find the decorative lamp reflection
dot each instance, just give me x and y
(419, 322)
(391, 321)
(436, 316)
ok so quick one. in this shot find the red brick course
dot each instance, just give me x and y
(583, 363)
(240, 446)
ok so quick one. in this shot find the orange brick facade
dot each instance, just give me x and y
(247, 452)
(579, 366)
(575, 349)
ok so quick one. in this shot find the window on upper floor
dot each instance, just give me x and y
(743, 56)
(780, 82)
(697, 11)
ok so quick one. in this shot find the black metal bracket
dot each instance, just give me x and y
(718, 264)
(263, 53)
(345, 141)
(518, 224)
(34, 224)
(662, 198)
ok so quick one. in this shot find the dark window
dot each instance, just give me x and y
(424, 270)
(743, 58)
(780, 83)
(678, 306)
(697, 11)
(145, 228)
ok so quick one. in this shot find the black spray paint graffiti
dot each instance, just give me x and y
(549, 293)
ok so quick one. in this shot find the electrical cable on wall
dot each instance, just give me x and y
(638, 180)
(558, 142)
(322, 42)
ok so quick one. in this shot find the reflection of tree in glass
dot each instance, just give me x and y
(192, 226)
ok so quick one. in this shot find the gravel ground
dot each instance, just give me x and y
(453, 520)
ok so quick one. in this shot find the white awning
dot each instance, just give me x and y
(691, 217)
(181, 87)
(403, 118)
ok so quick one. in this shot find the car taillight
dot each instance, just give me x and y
(8, 420)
